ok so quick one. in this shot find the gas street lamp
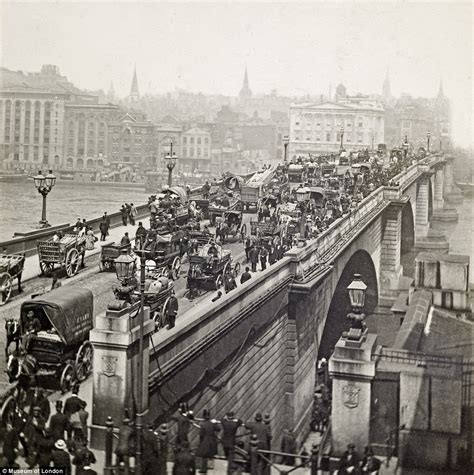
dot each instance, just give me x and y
(406, 146)
(428, 137)
(302, 196)
(171, 159)
(342, 138)
(44, 184)
(357, 290)
(286, 141)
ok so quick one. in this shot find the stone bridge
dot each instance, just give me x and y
(256, 348)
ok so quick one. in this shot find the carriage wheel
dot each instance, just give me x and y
(236, 269)
(243, 232)
(8, 410)
(163, 272)
(46, 268)
(67, 378)
(5, 287)
(83, 365)
(219, 281)
(72, 262)
(175, 268)
(162, 314)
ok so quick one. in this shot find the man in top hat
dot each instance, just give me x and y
(349, 461)
(259, 429)
(230, 425)
(267, 421)
(207, 447)
(60, 457)
(58, 422)
(72, 406)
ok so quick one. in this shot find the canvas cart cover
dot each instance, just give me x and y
(69, 309)
(179, 192)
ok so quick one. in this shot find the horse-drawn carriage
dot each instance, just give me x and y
(209, 268)
(67, 252)
(164, 253)
(230, 224)
(268, 231)
(11, 267)
(54, 330)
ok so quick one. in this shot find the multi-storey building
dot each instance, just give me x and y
(318, 128)
(195, 152)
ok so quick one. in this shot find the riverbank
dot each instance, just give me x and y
(107, 184)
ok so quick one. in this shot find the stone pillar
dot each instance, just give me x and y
(422, 204)
(390, 258)
(438, 187)
(452, 193)
(352, 370)
(115, 339)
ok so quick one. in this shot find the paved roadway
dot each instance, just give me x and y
(101, 284)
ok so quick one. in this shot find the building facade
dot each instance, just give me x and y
(195, 152)
(317, 128)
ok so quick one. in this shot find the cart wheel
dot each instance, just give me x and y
(5, 287)
(163, 272)
(219, 281)
(8, 410)
(46, 268)
(83, 365)
(175, 268)
(72, 262)
(67, 378)
(236, 269)
(243, 232)
(162, 315)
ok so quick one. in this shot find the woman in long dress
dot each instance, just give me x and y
(90, 240)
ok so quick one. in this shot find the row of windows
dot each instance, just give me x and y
(347, 138)
(198, 140)
(199, 152)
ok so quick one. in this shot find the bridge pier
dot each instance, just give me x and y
(423, 204)
(452, 193)
(438, 186)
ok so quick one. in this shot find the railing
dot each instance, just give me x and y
(415, 358)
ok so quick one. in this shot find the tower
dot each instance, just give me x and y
(111, 93)
(245, 92)
(134, 94)
(386, 90)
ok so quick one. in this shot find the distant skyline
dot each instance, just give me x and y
(295, 48)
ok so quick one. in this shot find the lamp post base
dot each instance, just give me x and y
(43, 225)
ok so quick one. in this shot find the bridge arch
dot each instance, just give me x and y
(336, 322)
(408, 229)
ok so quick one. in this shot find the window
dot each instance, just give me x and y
(297, 123)
(206, 141)
(297, 138)
(199, 140)
(198, 151)
(191, 140)
(328, 137)
(185, 140)
(308, 138)
(318, 139)
(361, 124)
(191, 152)
(184, 151)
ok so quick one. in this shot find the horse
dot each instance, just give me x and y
(12, 329)
(22, 368)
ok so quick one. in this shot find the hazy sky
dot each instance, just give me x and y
(294, 47)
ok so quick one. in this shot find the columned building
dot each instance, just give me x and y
(317, 128)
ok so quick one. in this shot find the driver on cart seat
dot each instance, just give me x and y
(212, 250)
(32, 327)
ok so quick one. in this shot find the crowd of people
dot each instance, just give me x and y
(46, 440)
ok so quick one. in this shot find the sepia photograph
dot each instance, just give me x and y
(236, 237)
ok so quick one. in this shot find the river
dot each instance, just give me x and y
(21, 204)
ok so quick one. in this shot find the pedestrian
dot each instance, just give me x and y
(90, 240)
(43, 403)
(260, 430)
(106, 217)
(245, 276)
(10, 445)
(125, 241)
(184, 461)
(132, 214)
(370, 464)
(229, 282)
(58, 422)
(150, 451)
(349, 461)
(72, 406)
(288, 446)
(126, 442)
(184, 421)
(172, 310)
(83, 457)
(60, 458)
(104, 229)
(140, 235)
(124, 214)
(248, 246)
(272, 255)
(78, 225)
(263, 257)
(230, 425)
(162, 449)
(83, 417)
(253, 255)
(207, 447)
(45, 446)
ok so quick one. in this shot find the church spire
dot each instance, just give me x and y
(440, 91)
(245, 92)
(386, 89)
(134, 94)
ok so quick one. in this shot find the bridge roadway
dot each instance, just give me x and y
(101, 283)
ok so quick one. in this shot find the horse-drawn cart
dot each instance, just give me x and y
(11, 267)
(267, 231)
(66, 252)
(54, 329)
(208, 268)
(109, 253)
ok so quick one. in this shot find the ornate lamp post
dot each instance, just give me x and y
(428, 138)
(406, 146)
(302, 196)
(44, 184)
(286, 141)
(125, 269)
(171, 159)
(357, 290)
(342, 139)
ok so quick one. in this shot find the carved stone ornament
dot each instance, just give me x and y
(109, 365)
(350, 395)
